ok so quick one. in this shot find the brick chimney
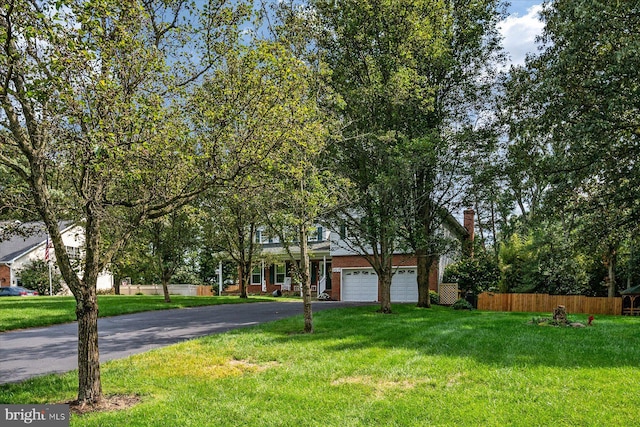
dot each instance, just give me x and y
(469, 225)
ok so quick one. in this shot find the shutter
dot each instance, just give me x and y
(314, 272)
(320, 234)
(272, 274)
(343, 231)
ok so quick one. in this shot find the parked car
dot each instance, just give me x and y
(16, 291)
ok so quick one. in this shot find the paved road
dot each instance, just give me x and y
(32, 352)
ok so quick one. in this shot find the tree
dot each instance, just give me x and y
(301, 189)
(232, 229)
(576, 112)
(37, 276)
(91, 93)
(409, 75)
(478, 274)
(270, 103)
(171, 239)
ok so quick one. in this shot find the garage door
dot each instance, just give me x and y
(359, 285)
(362, 285)
(404, 286)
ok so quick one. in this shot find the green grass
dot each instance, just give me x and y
(27, 312)
(412, 368)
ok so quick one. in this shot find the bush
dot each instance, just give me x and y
(476, 275)
(434, 297)
(462, 304)
(36, 276)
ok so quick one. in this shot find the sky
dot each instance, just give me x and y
(520, 29)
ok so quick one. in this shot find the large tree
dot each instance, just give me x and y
(172, 238)
(267, 89)
(234, 220)
(574, 113)
(412, 76)
(90, 92)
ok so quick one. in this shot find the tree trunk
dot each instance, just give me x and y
(305, 276)
(424, 268)
(611, 273)
(165, 287)
(245, 276)
(384, 284)
(89, 385)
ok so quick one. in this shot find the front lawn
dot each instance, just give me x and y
(412, 368)
(27, 312)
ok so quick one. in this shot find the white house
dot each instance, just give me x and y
(353, 278)
(26, 242)
(344, 273)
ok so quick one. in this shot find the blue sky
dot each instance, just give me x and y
(520, 7)
(520, 28)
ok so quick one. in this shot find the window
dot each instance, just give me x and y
(280, 273)
(258, 236)
(73, 252)
(317, 236)
(256, 276)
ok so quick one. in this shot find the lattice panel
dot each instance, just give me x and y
(448, 293)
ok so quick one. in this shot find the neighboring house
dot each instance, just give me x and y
(353, 278)
(346, 275)
(29, 242)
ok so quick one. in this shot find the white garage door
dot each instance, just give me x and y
(362, 285)
(359, 285)
(404, 286)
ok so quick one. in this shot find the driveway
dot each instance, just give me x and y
(31, 352)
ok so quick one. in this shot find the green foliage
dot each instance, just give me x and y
(515, 265)
(574, 131)
(544, 261)
(462, 304)
(434, 297)
(408, 74)
(35, 275)
(478, 274)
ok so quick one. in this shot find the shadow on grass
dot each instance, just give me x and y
(499, 339)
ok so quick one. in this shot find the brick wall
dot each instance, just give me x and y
(5, 275)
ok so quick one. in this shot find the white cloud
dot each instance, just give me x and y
(520, 32)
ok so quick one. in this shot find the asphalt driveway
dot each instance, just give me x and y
(31, 352)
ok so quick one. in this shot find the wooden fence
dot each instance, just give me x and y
(540, 303)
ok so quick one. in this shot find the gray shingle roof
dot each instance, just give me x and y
(17, 240)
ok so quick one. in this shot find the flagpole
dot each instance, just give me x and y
(50, 285)
(47, 258)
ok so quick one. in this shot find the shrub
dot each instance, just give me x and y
(35, 275)
(477, 274)
(462, 304)
(434, 297)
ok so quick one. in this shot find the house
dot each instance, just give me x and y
(353, 278)
(273, 271)
(344, 274)
(22, 243)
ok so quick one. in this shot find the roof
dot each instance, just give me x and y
(455, 225)
(631, 291)
(17, 238)
(278, 248)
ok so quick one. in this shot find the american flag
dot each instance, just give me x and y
(46, 250)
